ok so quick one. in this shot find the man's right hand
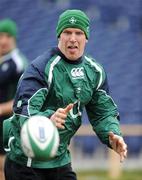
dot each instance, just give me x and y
(60, 115)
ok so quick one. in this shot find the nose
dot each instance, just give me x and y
(73, 37)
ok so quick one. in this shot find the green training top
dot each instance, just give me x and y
(51, 82)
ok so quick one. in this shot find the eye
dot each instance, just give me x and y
(67, 32)
(79, 33)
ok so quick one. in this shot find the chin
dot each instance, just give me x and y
(72, 58)
(5, 51)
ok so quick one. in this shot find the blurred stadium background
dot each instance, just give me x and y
(116, 42)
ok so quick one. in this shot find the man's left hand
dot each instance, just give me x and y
(118, 145)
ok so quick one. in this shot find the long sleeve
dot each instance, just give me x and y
(103, 114)
(31, 93)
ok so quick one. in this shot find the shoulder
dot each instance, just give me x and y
(97, 68)
(93, 63)
(40, 64)
(19, 60)
(45, 61)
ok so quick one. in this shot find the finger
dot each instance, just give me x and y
(68, 108)
(59, 125)
(125, 151)
(121, 145)
(55, 120)
(61, 115)
(113, 140)
(60, 110)
(121, 157)
(111, 135)
(114, 144)
(125, 154)
(117, 144)
(59, 120)
(116, 141)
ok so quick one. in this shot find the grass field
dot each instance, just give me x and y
(102, 175)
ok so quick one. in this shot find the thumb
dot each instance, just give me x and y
(111, 135)
(68, 108)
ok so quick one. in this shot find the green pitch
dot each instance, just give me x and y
(103, 175)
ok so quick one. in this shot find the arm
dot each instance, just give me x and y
(103, 116)
(5, 78)
(8, 73)
(31, 93)
(6, 108)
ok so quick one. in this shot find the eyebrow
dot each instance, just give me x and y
(69, 31)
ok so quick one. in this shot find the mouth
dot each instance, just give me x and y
(72, 47)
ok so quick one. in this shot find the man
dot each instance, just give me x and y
(58, 85)
(11, 67)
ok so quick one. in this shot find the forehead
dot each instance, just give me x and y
(5, 34)
(73, 30)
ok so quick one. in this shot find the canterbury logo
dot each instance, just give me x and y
(77, 72)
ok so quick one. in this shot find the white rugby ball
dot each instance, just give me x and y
(39, 138)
